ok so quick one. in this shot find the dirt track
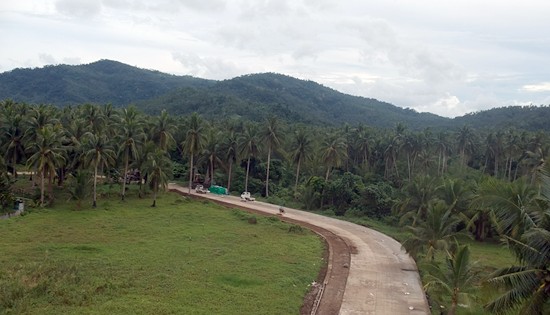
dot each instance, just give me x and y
(367, 272)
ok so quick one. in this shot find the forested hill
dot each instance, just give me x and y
(101, 82)
(256, 96)
(533, 118)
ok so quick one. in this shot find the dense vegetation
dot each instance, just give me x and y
(252, 97)
(101, 82)
(183, 257)
(441, 186)
(257, 96)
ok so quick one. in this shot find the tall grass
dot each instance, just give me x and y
(182, 257)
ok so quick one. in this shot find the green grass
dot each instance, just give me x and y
(183, 257)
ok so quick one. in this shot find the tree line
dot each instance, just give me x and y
(439, 185)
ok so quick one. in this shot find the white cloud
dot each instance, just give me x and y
(214, 68)
(540, 87)
(78, 8)
(419, 55)
(47, 59)
(445, 106)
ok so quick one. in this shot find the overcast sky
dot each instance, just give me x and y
(444, 57)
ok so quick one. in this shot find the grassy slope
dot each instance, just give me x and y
(182, 257)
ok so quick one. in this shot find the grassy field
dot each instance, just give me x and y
(183, 257)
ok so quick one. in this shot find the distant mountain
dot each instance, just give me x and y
(101, 82)
(533, 118)
(254, 97)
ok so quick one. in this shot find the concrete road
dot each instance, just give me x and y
(383, 279)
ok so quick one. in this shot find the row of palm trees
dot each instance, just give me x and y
(216, 147)
(53, 143)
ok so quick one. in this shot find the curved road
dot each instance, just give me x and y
(383, 279)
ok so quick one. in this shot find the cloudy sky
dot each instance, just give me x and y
(439, 56)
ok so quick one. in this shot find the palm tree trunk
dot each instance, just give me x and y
(51, 183)
(125, 173)
(409, 165)
(94, 204)
(246, 177)
(42, 187)
(323, 192)
(297, 175)
(14, 162)
(229, 176)
(510, 168)
(395, 166)
(454, 303)
(439, 167)
(267, 176)
(155, 196)
(211, 170)
(190, 172)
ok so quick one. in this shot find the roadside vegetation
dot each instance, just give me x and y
(453, 197)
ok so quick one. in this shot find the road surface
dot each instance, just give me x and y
(382, 279)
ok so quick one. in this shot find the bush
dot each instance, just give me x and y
(179, 170)
(296, 229)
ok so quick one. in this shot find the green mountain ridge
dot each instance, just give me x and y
(256, 96)
(104, 81)
(252, 96)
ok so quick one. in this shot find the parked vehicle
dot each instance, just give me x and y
(245, 196)
(199, 189)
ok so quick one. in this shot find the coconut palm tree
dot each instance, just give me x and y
(301, 144)
(443, 148)
(361, 147)
(436, 232)
(333, 152)
(419, 193)
(271, 138)
(456, 193)
(512, 203)
(93, 117)
(193, 143)
(465, 142)
(140, 161)
(98, 152)
(511, 148)
(456, 279)
(79, 187)
(48, 154)
(249, 148)
(390, 157)
(231, 148)
(130, 137)
(158, 166)
(163, 130)
(212, 150)
(14, 135)
(526, 285)
(411, 146)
